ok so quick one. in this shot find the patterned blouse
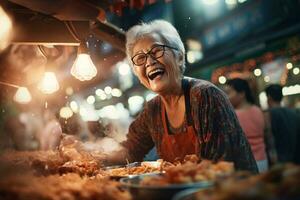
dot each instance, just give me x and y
(219, 132)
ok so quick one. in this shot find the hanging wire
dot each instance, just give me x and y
(9, 84)
(47, 56)
(43, 52)
(72, 30)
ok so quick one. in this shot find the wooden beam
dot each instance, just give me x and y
(69, 10)
(46, 31)
(109, 33)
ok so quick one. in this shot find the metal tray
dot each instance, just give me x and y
(130, 165)
(189, 194)
(146, 192)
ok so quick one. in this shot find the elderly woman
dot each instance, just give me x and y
(188, 116)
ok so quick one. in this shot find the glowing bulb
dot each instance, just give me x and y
(74, 106)
(257, 72)
(107, 90)
(84, 68)
(5, 30)
(99, 92)
(267, 79)
(66, 112)
(116, 92)
(222, 79)
(91, 99)
(124, 69)
(22, 95)
(296, 70)
(49, 83)
(289, 65)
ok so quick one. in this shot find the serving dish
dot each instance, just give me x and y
(157, 192)
(189, 194)
(132, 169)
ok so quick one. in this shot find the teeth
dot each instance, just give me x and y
(155, 71)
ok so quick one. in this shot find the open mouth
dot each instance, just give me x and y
(155, 72)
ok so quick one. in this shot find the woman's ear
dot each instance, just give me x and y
(180, 58)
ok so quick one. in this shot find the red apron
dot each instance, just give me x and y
(179, 144)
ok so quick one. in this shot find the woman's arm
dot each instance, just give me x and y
(138, 143)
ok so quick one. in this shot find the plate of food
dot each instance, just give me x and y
(188, 174)
(133, 169)
(189, 194)
(140, 188)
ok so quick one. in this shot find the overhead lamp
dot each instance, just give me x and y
(5, 30)
(48, 83)
(22, 95)
(66, 112)
(83, 67)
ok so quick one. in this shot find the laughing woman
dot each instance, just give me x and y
(188, 116)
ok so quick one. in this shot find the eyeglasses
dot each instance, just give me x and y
(155, 52)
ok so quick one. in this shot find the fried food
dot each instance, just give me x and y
(54, 187)
(190, 171)
(281, 182)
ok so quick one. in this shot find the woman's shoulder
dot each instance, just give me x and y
(256, 110)
(154, 101)
(198, 86)
(153, 105)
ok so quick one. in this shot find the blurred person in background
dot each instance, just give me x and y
(188, 116)
(284, 125)
(22, 125)
(250, 117)
(51, 133)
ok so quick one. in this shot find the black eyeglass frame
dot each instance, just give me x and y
(150, 54)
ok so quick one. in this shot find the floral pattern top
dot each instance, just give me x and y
(220, 135)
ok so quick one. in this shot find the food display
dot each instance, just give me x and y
(141, 168)
(191, 170)
(69, 157)
(55, 187)
(280, 182)
(72, 172)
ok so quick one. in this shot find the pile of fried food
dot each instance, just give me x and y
(281, 182)
(70, 157)
(69, 186)
(190, 170)
(68, 173)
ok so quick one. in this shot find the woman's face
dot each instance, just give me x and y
(235, 97)
(159, 75)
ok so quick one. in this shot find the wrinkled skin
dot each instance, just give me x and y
(162, 84)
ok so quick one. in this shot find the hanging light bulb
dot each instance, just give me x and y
(22, 95)
(83, 67)
(5, 30)
(49, 83)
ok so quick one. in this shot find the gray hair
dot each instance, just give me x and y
(163, 28)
